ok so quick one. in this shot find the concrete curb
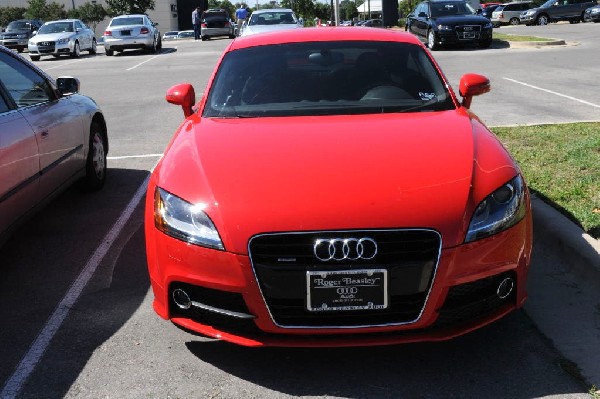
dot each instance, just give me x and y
(562, 233)
(514, 44)
(564, 290)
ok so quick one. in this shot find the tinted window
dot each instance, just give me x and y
(326, 79)
(127, 21)
(24, 85)
(440, 9)
(3, 105)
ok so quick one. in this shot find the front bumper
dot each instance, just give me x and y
(232, 303)
(13, 43)
(51, 48)
(528, 19)
(459, 37)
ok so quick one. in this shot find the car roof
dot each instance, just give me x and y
(324, 34)
(129, 15)
(62, 20)
(264, 10)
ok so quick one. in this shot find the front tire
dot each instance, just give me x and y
(109, 52)
(542, 20)
(514, 21)
(34, 57)
(431, 44)
(76, 50)
(95, 167)
(94, 47)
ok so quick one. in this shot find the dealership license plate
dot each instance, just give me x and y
(346, 290)
(125, 33)
(469, 35)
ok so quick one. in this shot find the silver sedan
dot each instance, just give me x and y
(62, 37)
(50, 136)
(136, 31)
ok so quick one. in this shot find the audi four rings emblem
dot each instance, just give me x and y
(345, 249)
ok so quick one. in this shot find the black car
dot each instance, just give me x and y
(487, 12)
(18, 32)
(441, 22)
(592, 14)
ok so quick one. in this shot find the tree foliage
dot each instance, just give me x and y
(39, 9)
(89, 13)
(9, 14)
(225, 5)
(120, 7)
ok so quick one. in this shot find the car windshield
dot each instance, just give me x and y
(442, 9)
(171, 33)
(18, 25)
(127, 21)
(272, 18)
(326, 78)
(56, 27)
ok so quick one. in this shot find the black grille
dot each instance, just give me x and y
(473, 300)
(280, 262)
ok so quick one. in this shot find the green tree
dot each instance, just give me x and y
(36, 10)
(406, 6)
(119, 7)
(89, 13)
(323, 11)
(9, 14)
(348, 10)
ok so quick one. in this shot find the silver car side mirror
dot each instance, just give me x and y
(68, 85)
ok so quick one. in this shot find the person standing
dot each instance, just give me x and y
(240, 15)
(196, 20)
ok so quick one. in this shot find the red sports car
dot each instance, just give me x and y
(331, 190)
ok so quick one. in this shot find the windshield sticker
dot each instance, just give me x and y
(426, 96)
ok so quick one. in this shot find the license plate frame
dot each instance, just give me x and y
(346, 290)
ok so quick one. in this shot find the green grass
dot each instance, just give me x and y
(518, 38)
(561, 164)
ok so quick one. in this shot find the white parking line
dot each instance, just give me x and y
(553, 92)
(137, 156)
(142, 63)
(27, 364)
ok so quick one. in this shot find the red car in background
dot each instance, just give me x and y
(331, 190)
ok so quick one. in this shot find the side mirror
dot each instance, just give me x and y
(33, 33)
(471, 85)
(182, 94)
(68, 85)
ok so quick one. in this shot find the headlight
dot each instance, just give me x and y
(527, 13)
(444, 27)
(488, 26)
(31, 43)
(184, 221)
(63, 41)
(502, 209)
(595, 10)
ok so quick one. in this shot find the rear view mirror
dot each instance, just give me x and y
(68, 85)
(184, 95)
(471, 85)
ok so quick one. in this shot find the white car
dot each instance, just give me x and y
(269, 20)
(62, 37)
(170, 35)
(135, 31)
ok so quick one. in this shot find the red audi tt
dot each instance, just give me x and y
(330, 189)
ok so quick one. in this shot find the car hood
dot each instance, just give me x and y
(461, 20)
(254, 29)
(52, 36)
(15, 31)
(333, 173)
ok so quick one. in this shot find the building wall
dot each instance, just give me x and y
(164, 13)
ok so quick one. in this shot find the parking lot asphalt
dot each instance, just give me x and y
(564, 290)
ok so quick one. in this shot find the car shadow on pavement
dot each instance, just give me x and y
(507, 359)
(43, 259)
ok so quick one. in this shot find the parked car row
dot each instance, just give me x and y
(529, 13)
(17, 33)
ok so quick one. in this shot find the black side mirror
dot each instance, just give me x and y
(68, 85)
(422, 15)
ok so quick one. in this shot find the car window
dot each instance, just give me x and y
(272, 18)
(56, 27)
(440, 9)
(24, 85)
(326, 79)
(3, 105)
(127, 21)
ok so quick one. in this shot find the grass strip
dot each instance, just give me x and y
(561, 164)
(519, 38)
